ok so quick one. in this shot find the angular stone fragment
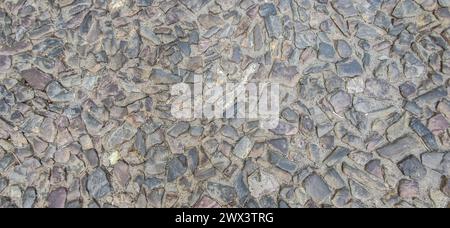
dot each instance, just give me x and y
(98, 185)
(120, 135)
(243, 147)
(224, 193)
(431, 97)
(401, 147)
(282, 145)
(426, 135)
(344, 49)
(341, 101)
(261, 183)
(345, 7)
(159, 76)
(412, 167)
(316, 188)
(267, 9)
(5, 63)
(179, 129)
(433, 160)
(336, 156)
(176, 168)
(363, 178)
(349, 68)
(57, 93)
(374, 167)
(408, 189)
(407, 8)
(287, 75)
(273, 26)
(57, 198)
(438, 124)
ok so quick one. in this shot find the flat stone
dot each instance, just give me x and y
(407, 89)
(179, 129)
(120, 135)
(36, 78)
(267, 9)
(426, 135)
(374, 167)
(341, 101)
(433, 160)
(262, 183)
(281, 145)
(336, 156)
(431, 97)
(399, 148)
(29, 198)
(5, 63)
(316, 188)
(438, 124)
(3, 183)
(344, 49)
(57, 93)
(121, 172)
(345, 7)
(176, 168)
(98, 185)
(243, 148)
(57, 198)
(407, 8)
(349, 68)
(224, 193)
(408, 189)
(283, 163)
(367, 32)
(412, 167)
(369, 105)
(159, 76)
(287, 75)
(273, 26)
(359, 191)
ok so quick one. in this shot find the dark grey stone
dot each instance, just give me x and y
(98, 184)
(412, 167)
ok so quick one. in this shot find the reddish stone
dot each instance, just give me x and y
(438, 124)
(408, 189)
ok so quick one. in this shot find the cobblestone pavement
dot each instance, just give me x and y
(85, 103)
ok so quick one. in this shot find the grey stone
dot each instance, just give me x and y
(345, 7)
(359, 191)
(5, 63)
(273, 26)
(344, 49)
(287, 75)
(412, 167)
(57, 198)
(326, 52)
(375, 168)
(3, 183)
(159, 76)
(426, 135)
(282, 145)
(57, 93)
(221, 192)
(98, 184)
(433, 160)
(349, 68)
(179, 129)
(283, 163)
(407, 89)
(243, 147)
(341, 101)
(29, 198)
(316, 188)
(267, 9)
(336, 156)
(407, 8)
(120, 135)
(176, 168)
(399, 148)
